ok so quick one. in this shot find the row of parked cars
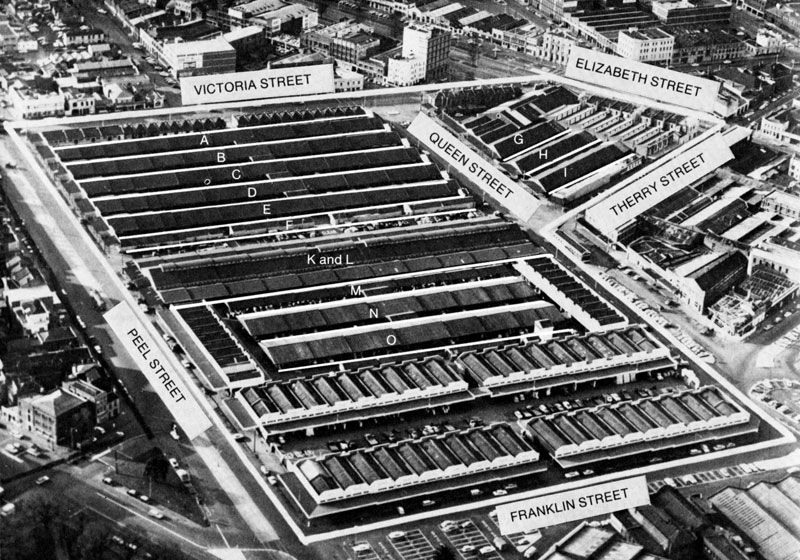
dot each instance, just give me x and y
(152, 512)
(372, 439)
(534, 410)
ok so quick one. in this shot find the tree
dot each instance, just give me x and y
(91, 543)
(443, 552)
(42, 510)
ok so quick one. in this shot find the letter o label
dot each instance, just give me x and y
(391, 340)
(207, 182)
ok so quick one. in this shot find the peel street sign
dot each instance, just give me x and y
(573, 505)
(168, 386)
(657, 83)
(477, 170)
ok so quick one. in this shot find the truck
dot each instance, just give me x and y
(98, 300)
(184, 475)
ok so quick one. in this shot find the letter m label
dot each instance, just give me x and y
(356, 291)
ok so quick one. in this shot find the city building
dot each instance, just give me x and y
(106, 404)
(521, 39)
(320, 38)
(78, 102)
(718, 545)
(782, 125)
(696, 45)
(245, 40)
(347, 80)
(785, 203)
(779, 254)
(706, 278)
(767, 514)
(275, 16)
(602, 27)
(184, 8)
(56, 419)
(80, 36)
(673, 540)
(755, 7)
(402, 71)
(212, 56)
(354, 46)
(794, 169)
(785, 15)
(646, 45)
(103, 70)
(431, 45)
(31, 102)
(555, 9)
(31, 306)
(692, 12)
(8, 38)
(597, 541)
(555, 45)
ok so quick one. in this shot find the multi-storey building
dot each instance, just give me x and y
(213, 56)
(354, 46)
(707, 45)
(786, 16)
(275, 16)
(556, 9)
(646, 45)
(30, 103)
(692, 12)
(430, 44)
(105, 404)
(57, 418)
(782, 125)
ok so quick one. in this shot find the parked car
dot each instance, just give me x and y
(173, 462)
(42, 480)
(153, 512)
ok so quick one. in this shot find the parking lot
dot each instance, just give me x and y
(468, 540)
(706, 477)
(18, 455)
(414, 545)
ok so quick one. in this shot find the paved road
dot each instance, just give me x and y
(68, 251)
(85, 493)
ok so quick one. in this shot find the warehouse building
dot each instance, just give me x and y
(638, 427)
(402, 465)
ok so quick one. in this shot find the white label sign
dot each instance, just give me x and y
(573, 505)
(643, 79)
(482, 173)
(261, 84)
(156, 369)
(678, 172)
